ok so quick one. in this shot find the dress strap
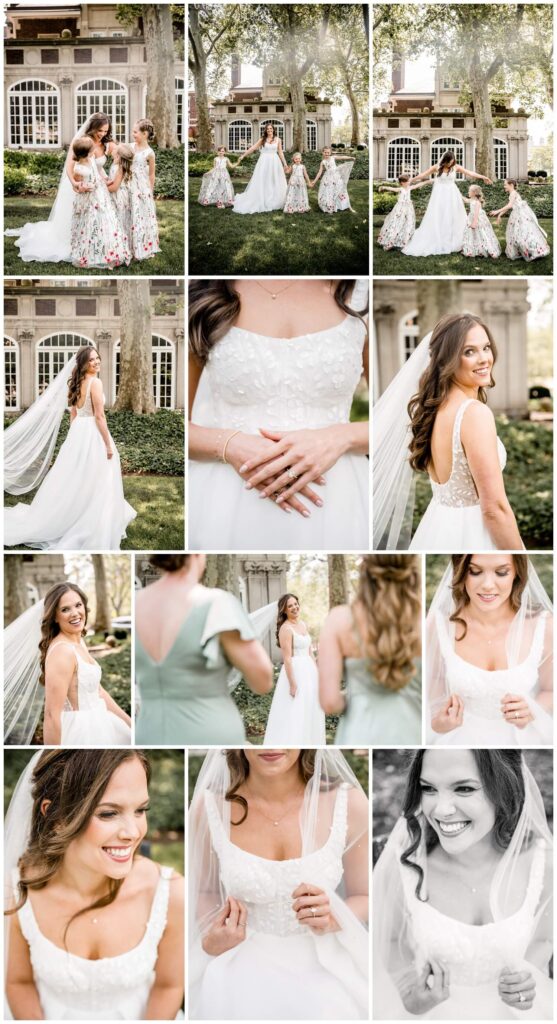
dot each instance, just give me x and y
(159, 907)
(339, 825)
(62, 643)
(457, 443)
(536, 652)
(359, 297)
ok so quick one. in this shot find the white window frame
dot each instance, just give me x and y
(500, 146)
(68, 350)
(13, 346)
(17, 95)
(406, 332)
(100, 105)
(240, 122)
(156, 351)
(311, 125)
(278, 125)
(401, 143)
(450, 142)
(181, 113)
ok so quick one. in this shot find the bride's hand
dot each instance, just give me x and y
(449, 716)
(421, 993)
(516, 711)
(312, 908)
(227, 930)
(300, 457)
(109, 453)
(513, 984)
(245, 448)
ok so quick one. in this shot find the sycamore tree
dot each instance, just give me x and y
(158, 31)
(214, 32)
(345, 72)
(135, 390)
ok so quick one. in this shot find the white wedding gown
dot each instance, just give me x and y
(91, 724)
(80, 505)
(252, 381)
(297, 721)
(443, 224)
(113, 988)
(266, 189)
(453, 520)
(282, 971)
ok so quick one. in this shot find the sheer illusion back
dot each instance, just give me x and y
(88, 675)
(86, 720)
(459, 490)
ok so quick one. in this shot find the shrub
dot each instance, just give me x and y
(16, 158)
(383, 202)
(170, 174)
(41, 162)
(15, 181)
(199, 163)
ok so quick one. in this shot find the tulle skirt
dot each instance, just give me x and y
(443, 224)
(94, 727)
(479, 731)
(266, 189)
(297, 721)
(444, 528)
(470, 1002)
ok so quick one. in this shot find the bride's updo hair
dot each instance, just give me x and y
(214, 305)
(389, 595)
(78, 373)
(461, 566)
(49, 626)
(94, 125)
(447, 343)
(282, 614)
(238, 766)
(73, 782)
(447, 161)
(503, 782)
(169, 563)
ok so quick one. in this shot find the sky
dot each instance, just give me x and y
(252, 75)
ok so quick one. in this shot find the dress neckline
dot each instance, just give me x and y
(496, 671)
(295, 337)
(185, 620)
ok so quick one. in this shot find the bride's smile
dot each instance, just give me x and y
(454, 801)
(70, 614)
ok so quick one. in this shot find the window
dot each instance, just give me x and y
(231, 110)
(116, 307)
(107, 95)
(403, 157)
(263, 110)
(279, 109)
(14, 57)
(409, 334)
(118, 54)
(34, 107)
(248, 110)
(279, 127)
(500, 154)
(458, 122)
(415, 122)
(436, 122)
(180, 121)
(163, 356)
(11, 374)
(392, 122)
(45, 307)
(53, 352)
(82, 55)
(10, 307)
(311, 134)
(85, 307)
(440, 146)
(50, 57)
(239, 136)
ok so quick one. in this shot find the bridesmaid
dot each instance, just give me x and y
(188, 638)
(374, 644)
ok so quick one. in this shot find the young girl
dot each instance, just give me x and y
(399, 225)
(119, 186)
(525, 238)
(216, 187)
(297, 194)
(479, 237)
(333, 191)
(96, 237)
(145, 233)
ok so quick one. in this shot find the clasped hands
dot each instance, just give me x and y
(515, 711)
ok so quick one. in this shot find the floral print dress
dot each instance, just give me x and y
(96, 237)
(216, 185)
(399, 225)
(526, 240)
(297, 194)
(144, 229)
(122, 203)
(333, 191)
(480, 241)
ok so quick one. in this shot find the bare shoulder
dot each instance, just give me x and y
(476, 416)
(60, 656)
(339, 617)
(96, 386)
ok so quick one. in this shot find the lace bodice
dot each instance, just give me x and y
(88, 678)
(270, 147)
(444, 179)
(100, 160)
(475, 954)
(266, 886)
(404, 196)
(297, 174)
(287, 383)
(221, 163)
(474, 203)
(459, 491)
(87, 407)
(301, 644)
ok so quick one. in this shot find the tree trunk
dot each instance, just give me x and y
(299, 113)
(220, 571)
(135, 392)
(198, 68)
(102, 606)
(161, 93)
(15, 594)
(338, 580)
(355, 139)
(435, 299)
(485, 157)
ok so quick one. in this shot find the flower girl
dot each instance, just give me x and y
(216, 186)
(400, 223)
(479, 237)
(145, 232)
(119, 187)
(297, 194)
(525, 238)
(96, 237)
(333, 191)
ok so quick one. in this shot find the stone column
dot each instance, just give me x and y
(67, 112)
(103, 339)
(25, 338)
(179, 395)
(44, 571)
(263, 579)
(135, 96)
(469, 158)
(425, 158)
(380, 169)
(522, 145)
(505, 313)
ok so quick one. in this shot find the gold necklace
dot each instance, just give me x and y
(274, 295)
(274, 821)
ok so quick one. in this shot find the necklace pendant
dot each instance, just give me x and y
(275, 823)
(273, 296)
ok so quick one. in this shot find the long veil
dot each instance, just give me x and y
(23, 693)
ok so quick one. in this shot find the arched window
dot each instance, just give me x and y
(180, 119)
(106, 96)
(34, 114)
(53, 352)
(311, 134)
(409, 334)
(500, 154)
(440, 146)
(164, 371)
(403, 157)
(239, 136)
(278, 125)
(11, 374)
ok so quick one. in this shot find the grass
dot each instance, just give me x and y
(222, 242)
(170, 261)
(455, 264)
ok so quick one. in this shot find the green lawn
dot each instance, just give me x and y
(223, 242)
(456, 265)
(170, 261)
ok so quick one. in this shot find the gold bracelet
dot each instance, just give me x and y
(229, 438)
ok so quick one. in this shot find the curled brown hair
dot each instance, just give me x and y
(447, 160)
(389, 594)
(214, 305)
(79, 372)
(282, 614)
(461, 567)
(95, 123)
(169, 563)
(238, 766)
(145, 125)
(49, 626)
(125, 155)
(448, 340)
(73, 782)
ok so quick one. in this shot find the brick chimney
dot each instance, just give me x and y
(235, 69)
(398, 72)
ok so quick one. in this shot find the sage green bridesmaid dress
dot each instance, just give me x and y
(185, 698)
(375, 715)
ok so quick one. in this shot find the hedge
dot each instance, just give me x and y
(539, 197)
(199, 163)
(15, 181)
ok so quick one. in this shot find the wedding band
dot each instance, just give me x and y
(313, 910)
(521, 997)
(516, 715)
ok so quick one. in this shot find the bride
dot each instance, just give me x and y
(267, 186)
(80, 504)
(95, 930)
(443, 225)
(295, 716)
(278, 876)
(46, 660)
(449, 433)
(462, 917)
(270, 415)
(490, 654)
(50, 241)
